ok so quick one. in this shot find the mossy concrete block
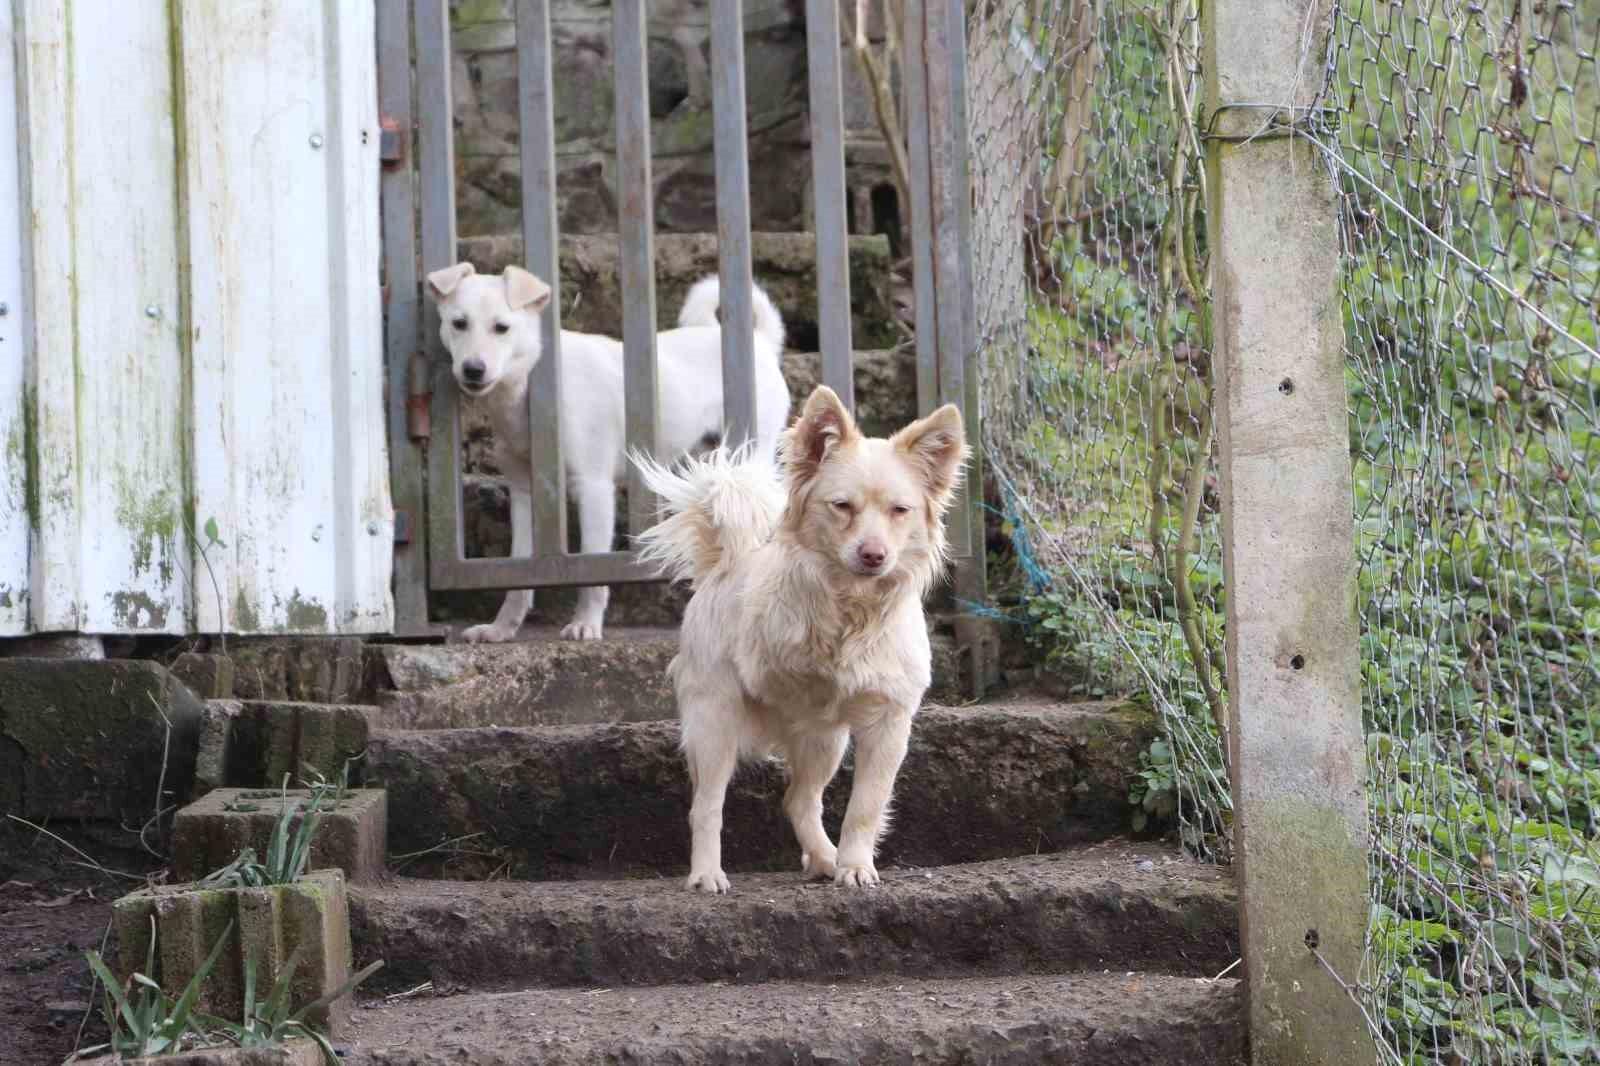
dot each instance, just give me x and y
(254, 743)
(89, 737)
(206, 674)
(210, 832)
(309, 669)
(270, 925)
(294, 1053)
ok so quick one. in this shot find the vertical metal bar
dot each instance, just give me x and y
(436, 166)
(401, 340)
(921, 208)
(641, 394)
(935, 36)
(733, 220)
(828, 194)
(1298, 757)
(541, 248)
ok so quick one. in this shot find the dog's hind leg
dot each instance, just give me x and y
(813, 760)
(514, 608)
(597, 517)
(713, 754)
(880, 749)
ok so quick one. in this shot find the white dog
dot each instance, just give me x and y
(490, 326)
(806, 624)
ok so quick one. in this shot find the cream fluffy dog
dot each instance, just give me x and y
(806, 625)
(490, 326)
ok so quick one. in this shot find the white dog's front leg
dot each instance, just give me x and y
(597, 517)
(514, 608)
(697, 72)
(880, 748)
(713, 756)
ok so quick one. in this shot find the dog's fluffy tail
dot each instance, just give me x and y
(701, 305)
(714, 507)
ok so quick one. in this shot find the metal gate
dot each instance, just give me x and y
(419, 187)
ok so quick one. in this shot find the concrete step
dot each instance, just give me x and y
(1103, 1019)
(990, 781)
(1118, 904)
(540, 679)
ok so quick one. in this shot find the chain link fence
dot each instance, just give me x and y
(1461, 138)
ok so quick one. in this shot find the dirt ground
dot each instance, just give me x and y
(51, 912)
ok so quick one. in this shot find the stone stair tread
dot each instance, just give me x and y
(1120, 903)
(980, 782)
(540, 678)
(1089, 1019)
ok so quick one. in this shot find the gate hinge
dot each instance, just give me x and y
(391, 145)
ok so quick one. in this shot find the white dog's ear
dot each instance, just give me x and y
(937, 447)
(823, 425)
(524, 291)
(443, 282)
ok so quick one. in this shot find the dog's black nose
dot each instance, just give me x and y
(871, 556)
(472, 370)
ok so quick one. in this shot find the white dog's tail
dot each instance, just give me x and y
(715, 507)
(700, 309)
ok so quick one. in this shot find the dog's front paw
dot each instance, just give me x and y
(856, 875)
(581, 629)
(712, 882)
(818, 866)
(491, 633)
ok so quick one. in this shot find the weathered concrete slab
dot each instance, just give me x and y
(1107, 905)
(269, 925)
(207, 674)
(978, 783)
(533, 682)
(254, 743)
(88, 738)
(1109, 1019)
(210, 832)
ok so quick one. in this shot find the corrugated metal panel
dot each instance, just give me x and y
(13, 353)
(216, 461)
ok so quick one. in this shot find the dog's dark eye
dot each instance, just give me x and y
(459, 323)
(900, 509)
(842, 506)
(501, 327)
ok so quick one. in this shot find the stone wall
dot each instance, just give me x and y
(485, 86)
(487, 146)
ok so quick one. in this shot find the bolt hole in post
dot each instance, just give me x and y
(1312, 939)
(1286, 386)
(1298, 662)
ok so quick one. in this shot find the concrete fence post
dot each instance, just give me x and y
(1295, 736)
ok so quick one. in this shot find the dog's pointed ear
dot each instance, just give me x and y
(524, 291)
(937, 447)
(443, 282)
(823, 425)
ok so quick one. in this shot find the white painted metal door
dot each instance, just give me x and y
(203, 443)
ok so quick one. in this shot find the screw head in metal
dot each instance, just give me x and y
(316, 140)
(373, 528)
(152, 311)
(316, 534)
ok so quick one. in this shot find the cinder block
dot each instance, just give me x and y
(210, 832)
(270, 924)
(294, 1053)
(253, 744)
